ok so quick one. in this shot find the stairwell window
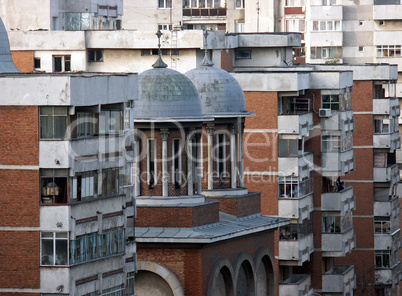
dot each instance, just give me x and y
(54, 248)
(53, 122)
(62, 63)
(164, 3)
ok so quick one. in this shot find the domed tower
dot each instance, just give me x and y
(223, 99)
(187, 243)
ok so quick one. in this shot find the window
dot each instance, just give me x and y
(327, 26)
(176, 162)
(221, 154)
(328, 2)
(94, 293)
(54, 248)
(288, 232)
(129, 174)
(385, 125)
(361, 48)
(295, 25)
(62, 63)
(95, 55)
(37, 63)
(203, 3)
(330, 102)
(151, 163)
(53, 185)
(130, 284)
(92, 246)
(288, 147)
(164, 3)
(291, 187)
(75, 21)
(165, 27)
(331, 143)
(388, 51)
(112, 182)
(294, 3)
(326, 52)
(53, 122)
(128, 115)
(382, 23)
(382, 258)
(114, 291)
(243, 54)
(361, 23)
(110, 122)
(382, 225)
(331, 224)
(86, 125)
(239, 4)
(85, 185)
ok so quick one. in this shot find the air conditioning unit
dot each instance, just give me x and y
(325, 112)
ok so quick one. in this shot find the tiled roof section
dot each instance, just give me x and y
(228, 227)
(6, 61)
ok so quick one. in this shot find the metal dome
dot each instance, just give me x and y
(6, 61)
(165, 93)
(220, 93)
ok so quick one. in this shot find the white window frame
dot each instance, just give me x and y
(295, 25)
(326, 24)
(64, 60)
(177, 156)
(294, 3)
(328, 2)
(54, 239)
(241, 2)
(128, 115)
(153, 140)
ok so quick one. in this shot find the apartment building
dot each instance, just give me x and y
(67, 216)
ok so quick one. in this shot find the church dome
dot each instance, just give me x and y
(166, 93)
(220, 93)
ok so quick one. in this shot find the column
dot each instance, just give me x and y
(137, 171)
(233, 156)
(240, 135)
(165, 175)
(199, 159)
(190, 180)
(210, 131)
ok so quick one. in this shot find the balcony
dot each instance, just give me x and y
(386, 106)
(342, 121)
(388, 207)
(330, 12)
(298, 124)
(298, 166)
(389, 141)
(338, 244)
(386, 241)
(295, 252)
(326, 38)
(339, 279)
(387, 12)
(388, 276)
(297, 208)
(389, 174)
(337, 163)
(341, 201)
(297, 284)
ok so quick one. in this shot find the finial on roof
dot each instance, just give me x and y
(159, 63)
(206, 61)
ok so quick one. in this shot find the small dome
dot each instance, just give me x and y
(219, 91)
(165, 93)
(6, 61)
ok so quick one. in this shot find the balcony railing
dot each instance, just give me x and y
(296, 250)
(341, 201)
(389, 174)
(295, 124)
(338, 244)
(386, 106)
(297, 284)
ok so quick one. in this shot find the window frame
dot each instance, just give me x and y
(221, 155)
(97, 55)
(241, 54)
(65, 63)
(383, 256)
(151, 149)
(382, 222)
(52, 117)
(177, 161)
(165, 4)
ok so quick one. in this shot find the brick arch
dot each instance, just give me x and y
(264, 256)
(164, 273)
(222, 264)
(244, 260)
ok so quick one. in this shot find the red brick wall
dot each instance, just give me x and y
(294, 10)
(23, 60)
(19, 135)
(362, 96)
(19, 198)
(227, 60)
(240, 206)
(177, 216)
(19, 260)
